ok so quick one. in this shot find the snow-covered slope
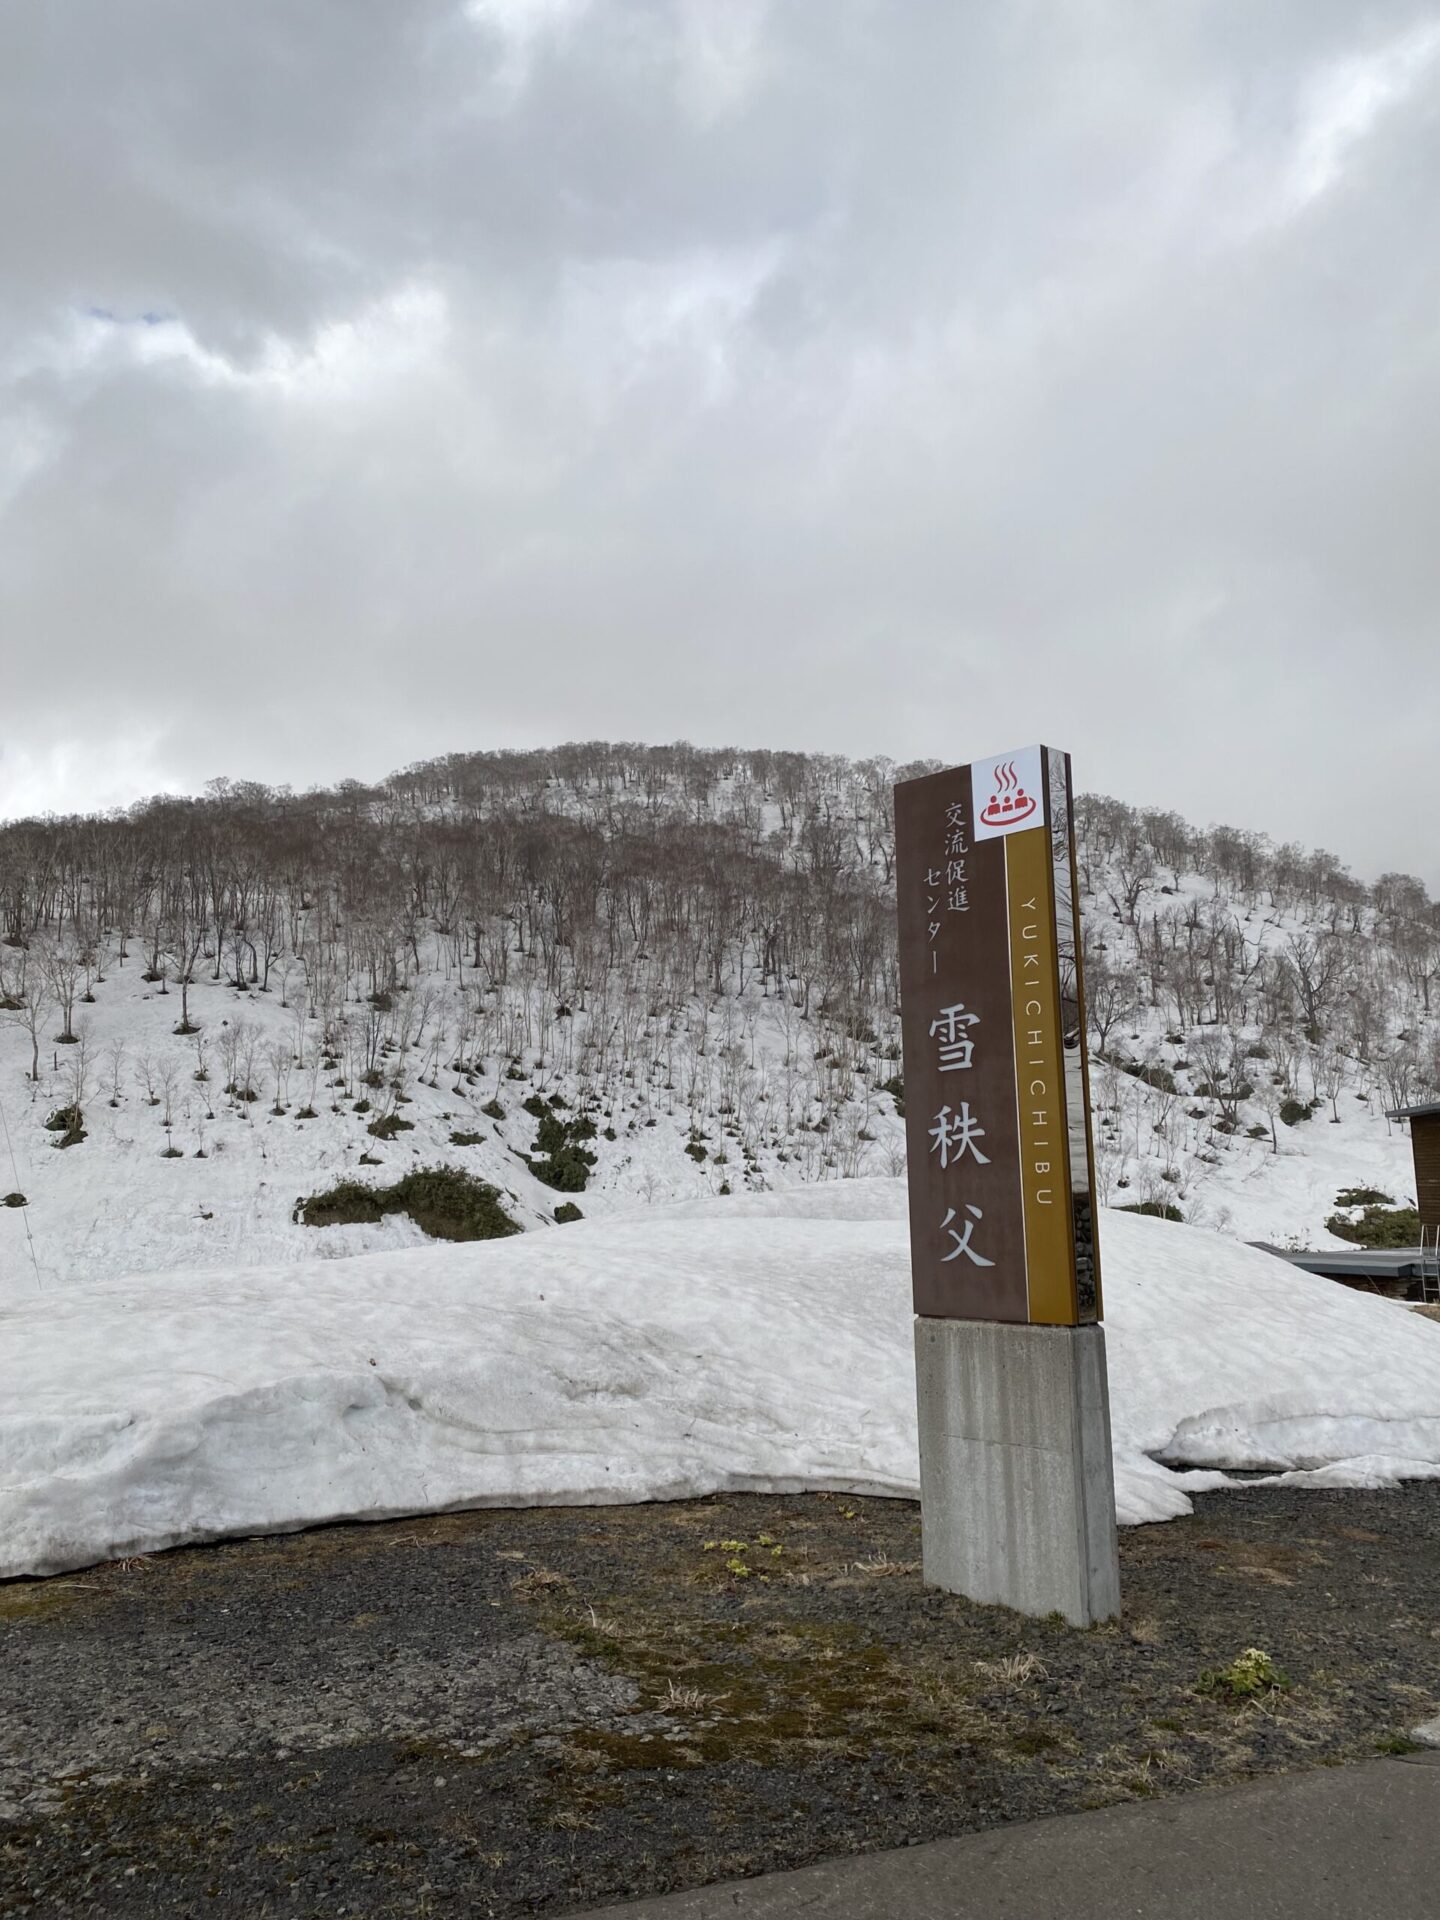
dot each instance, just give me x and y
(758, 1342)
(695, 950)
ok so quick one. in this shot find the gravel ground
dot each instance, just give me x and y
(513, 1713)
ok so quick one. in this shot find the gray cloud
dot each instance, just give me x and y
(918, 379)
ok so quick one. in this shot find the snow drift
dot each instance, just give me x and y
(758, 1342)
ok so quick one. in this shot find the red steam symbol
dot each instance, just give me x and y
(1009, 802)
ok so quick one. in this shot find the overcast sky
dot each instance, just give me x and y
(386, 377)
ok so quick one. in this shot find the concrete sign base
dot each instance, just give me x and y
(1017, 1495)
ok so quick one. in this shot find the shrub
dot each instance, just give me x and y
(1363, 1197)
(1292, 1112)
(536, 1107)
(68, 1122)
(1156, 1209)
(1242, 1090)
(695, 1150)
(466, 1139)
(895, 1087)
(444, 1202)
(1249, 1675)
(567, 1171)
(560, 1161)
(1378, 1227)
(14, 1200)
(1155, 1076)
(387, 1127)
(566, 1212)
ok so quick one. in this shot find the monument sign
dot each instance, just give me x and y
(1002, 1205)
(1002, 1199)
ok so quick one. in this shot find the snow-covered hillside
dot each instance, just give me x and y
(759, 1343)
(690, 952)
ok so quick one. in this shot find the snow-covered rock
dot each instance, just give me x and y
(757, 1342)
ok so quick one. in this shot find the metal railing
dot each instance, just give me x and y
(1430, 1265)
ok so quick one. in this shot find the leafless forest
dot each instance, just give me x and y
(709, 931)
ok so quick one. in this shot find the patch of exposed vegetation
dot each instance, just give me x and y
(1148, 1071)
(1378, 1227)
(560, 1161)
(68, 1122)
(1249, 1676)
(444, 1202)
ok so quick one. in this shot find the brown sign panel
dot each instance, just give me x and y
(1002, 1204)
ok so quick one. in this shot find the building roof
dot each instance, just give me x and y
(1427, 1109)
(1359, 1263)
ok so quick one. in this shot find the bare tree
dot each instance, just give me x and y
(146, 1075)
(31, 1004)
(1321, 966)
(1109, 999)
(115, 1067)
(64, 969)
(1332, 1078)
(1269, 1096)
(280, 1059)
(167, 1076)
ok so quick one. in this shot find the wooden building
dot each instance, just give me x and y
(1425, 1144)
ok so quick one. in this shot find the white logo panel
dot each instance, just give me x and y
(1008, 793)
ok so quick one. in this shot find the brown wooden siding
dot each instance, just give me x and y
(1425, 1139)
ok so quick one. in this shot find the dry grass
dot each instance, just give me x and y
(689, 1699)
(881, 1563)
(572, 1820)
(598, 1623)
(531, 1585)
(1013, 1670)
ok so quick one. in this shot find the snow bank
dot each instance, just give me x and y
(758, 1342)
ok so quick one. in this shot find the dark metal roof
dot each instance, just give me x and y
(1426, 1109)
(1361, 1263)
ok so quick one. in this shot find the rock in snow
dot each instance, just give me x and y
(757, 1342)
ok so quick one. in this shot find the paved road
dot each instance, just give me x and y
(1339, 1844)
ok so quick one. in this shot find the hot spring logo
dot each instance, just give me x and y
(1010, 803)
(1008, 793)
